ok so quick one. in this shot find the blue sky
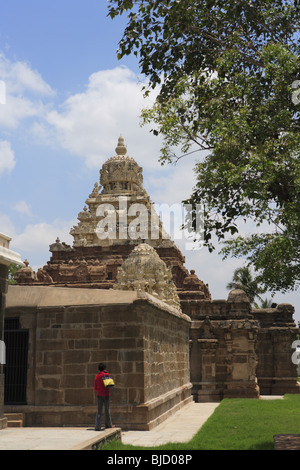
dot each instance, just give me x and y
(67, 100)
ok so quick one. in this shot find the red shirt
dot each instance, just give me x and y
(101, 390)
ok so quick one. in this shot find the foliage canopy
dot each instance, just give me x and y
(229, 79)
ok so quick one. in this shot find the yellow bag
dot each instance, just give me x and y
(108, 381)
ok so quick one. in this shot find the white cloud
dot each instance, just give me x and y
(33, 241)
(16, 109)
(23, 88)
(6, 225)
(37, 237)
(7, 157)
(19, 78)
(88, 124)
(173, 183)
(23, 208)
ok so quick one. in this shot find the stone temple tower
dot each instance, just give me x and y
(119, 211)
(118, 216)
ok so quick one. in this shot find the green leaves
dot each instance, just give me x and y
(274, 255)
(228, 70)
(243, 279)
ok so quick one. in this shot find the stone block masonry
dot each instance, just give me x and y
(144, 343)
(236, 351)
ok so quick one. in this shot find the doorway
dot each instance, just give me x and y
(15, 370)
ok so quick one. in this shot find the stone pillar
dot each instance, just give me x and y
(7, 257)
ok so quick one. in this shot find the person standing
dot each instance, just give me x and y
(103, 394)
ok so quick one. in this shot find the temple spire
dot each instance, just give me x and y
(121, 148)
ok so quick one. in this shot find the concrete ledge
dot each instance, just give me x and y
(100, 439)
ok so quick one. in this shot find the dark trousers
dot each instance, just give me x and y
(103, 401)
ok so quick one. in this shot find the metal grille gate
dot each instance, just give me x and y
(15, 369)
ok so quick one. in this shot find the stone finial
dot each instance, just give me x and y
(121, 148)
(121, 174)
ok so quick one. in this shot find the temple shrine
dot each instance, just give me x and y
(94, 258)
(122, 294)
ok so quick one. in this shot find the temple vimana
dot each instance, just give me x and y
(128, 300)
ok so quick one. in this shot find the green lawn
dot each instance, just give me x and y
(240, 424)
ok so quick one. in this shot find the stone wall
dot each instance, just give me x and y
(166, 360)
(223, 352)
(276, 372)
(143, 342)
(236, 351)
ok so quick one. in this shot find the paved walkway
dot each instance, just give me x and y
(180, 427)
(46, 438)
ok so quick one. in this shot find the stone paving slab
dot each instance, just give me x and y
(179, 427)
(54, 438)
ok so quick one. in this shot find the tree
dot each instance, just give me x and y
(228, 74)
(12, 269)
(266, 303)
(243, 279)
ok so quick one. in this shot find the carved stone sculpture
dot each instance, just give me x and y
(145, 271)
